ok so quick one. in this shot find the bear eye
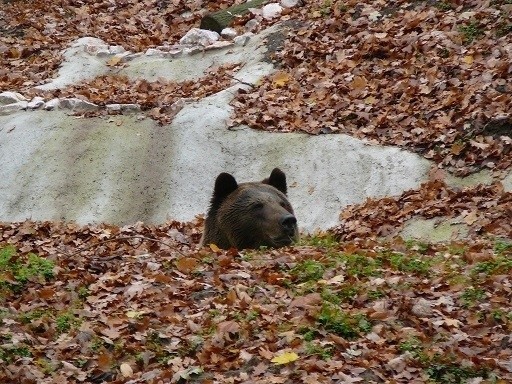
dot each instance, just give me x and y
(284, 205)
(257, 206)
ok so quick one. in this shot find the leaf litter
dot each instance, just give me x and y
(142, 303)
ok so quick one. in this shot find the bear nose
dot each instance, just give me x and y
(289, 222)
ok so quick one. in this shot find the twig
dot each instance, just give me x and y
(241, 82)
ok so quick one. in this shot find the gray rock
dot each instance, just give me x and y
(126, 108)
(271, 11)
(11, 98)
(154, 52)
(251, 25)
(77, 105)
(242, 40)
(52, 104)
(113, 107)
(228, 33)
(12, 108)
(36, 103)
(116, 49)
(198, 36)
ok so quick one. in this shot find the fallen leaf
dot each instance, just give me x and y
(186, 264)
(126, 370)
(285, 358)
(468, 59)
(280, 79)
(113, 61)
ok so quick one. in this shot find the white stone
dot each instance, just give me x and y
(91, 45)
(128, 56)
(192, 50)
(127, 108)
(271, 11)
(113, 107)
(52, 104)
(289, 3)
(103, 52)
(242, 40)
(77, 105)
(252, 25)
(154, 52)
(12, 108)
(35, 103)
(198, 36)
(173, 52)
(116, 49)
(130, 108)
(228, 33)
(11, 98)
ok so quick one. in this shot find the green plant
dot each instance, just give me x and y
(46, 366)
(359, 265)
(443, 6)
(415, 348)
(96, 343)
(503, 29)
(308, 334)
(65, 322)
(83, 292)
(471, 31)
(3, 314)
(457, 249)
(251, 315)
(325, 8)
(441, 368)
(343, 324)
(325, 352)
(376, 294)
(471, 295)
(412, 345)
(10, 353)
(499, 315)
(324, 240)
(502, 246)
(308, 270)
(80, 362)
(418, 246)
(330, 296)
(405, 263)
(453, 373)
(27, 317)
(23, 268)
(498, 265)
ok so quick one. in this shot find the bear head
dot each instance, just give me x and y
(250, 215)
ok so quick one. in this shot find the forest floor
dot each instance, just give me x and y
(141, 303)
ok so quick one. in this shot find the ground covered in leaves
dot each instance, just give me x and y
(143, 304)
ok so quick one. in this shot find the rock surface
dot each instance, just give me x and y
(123, 169)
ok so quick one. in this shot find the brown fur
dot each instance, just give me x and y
(250, 215)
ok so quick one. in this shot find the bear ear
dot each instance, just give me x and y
(277, 179)
(224, 185)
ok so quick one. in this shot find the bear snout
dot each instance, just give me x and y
(289, 224)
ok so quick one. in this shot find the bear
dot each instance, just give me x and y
(250, 215)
